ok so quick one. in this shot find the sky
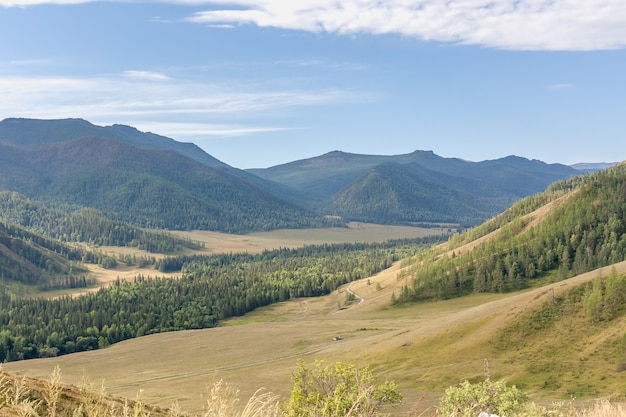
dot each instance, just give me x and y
(262, 83)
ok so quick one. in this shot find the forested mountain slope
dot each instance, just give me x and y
(33, 260)
(409, 193)
(584, 231)
(69, 224)
(148, 188)
(350, 185)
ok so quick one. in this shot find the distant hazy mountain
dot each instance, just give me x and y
(151, 180)
(416, 187)
(28, 133)
(144, 179)
(593, 166)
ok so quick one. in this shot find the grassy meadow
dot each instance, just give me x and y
(217, 242)
(424, 347)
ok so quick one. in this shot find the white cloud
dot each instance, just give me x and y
(167, 106)
(504, 24)
(202, 130)
(562, 86)
(146, 75)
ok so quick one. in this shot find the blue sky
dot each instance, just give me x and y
(260, 83)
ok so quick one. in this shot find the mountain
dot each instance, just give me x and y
(28, 133)
(416, 187)
(397, 193)
(154, 181)
(593, 166)
(129, 178)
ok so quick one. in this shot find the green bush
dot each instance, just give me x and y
(469, 400)
(337, 390)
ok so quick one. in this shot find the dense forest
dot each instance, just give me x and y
(212, 288)
(74, 224)
(395, 193)
(33, 260)
(157, 189)
(586, 230)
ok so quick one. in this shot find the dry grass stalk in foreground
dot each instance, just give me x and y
(223, 400)
(22, 397)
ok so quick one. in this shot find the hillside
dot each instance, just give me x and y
(446, 189)
(148, 188)
(27, 259)
(557, 334)
(30, 133)
(584, 231)
(394, 193)
(85, 225)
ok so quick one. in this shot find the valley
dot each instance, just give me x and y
(424, 347)
(182, 271)
(257, 242)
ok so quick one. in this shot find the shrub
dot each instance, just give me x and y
(338, 390)
(469, 400)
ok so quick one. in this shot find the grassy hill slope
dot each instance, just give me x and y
(424, 348)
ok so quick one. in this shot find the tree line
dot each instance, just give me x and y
(211, 289)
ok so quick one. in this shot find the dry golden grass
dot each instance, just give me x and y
(423, 347)
(216, 243)
(291, 238)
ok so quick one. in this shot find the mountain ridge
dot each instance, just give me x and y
(144, 187)
(299, 191)
(494, 184)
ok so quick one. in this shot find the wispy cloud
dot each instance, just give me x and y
(504, 24)
(153, 101)
(562, 86)
(146, 75)
(203, 130)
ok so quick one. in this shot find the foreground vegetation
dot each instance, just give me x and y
(337, 390)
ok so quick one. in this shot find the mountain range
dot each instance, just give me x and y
(153, 181)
